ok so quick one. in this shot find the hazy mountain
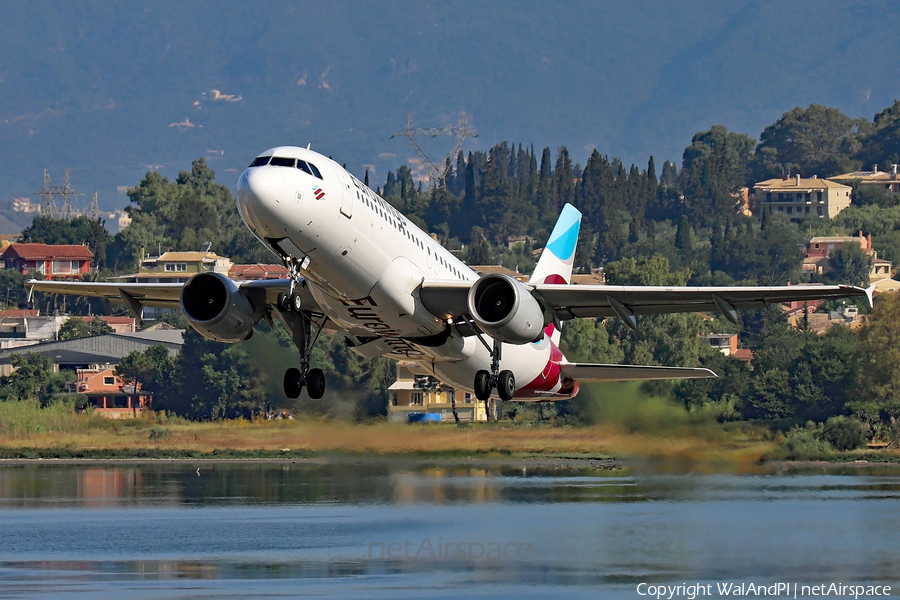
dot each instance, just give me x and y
(112, 89)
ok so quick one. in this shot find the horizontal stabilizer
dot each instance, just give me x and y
(586, 372)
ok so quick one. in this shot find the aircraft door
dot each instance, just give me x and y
(348, 190)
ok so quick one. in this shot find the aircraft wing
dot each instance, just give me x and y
(573, 301)
(447, 299)
(584, 372)
(164, 295)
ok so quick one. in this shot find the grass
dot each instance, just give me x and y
(28, 431)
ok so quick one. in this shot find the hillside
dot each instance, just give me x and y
(112, 90)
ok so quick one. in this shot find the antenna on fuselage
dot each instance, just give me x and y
(309, 145)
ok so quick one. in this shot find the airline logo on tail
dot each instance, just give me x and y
(558, 257)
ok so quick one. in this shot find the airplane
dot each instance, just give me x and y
(360, 266)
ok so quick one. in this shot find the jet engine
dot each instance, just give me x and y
(215, 306)
(505, 309)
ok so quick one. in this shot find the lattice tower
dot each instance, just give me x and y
(437, 175)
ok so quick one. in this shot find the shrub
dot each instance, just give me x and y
(803, 443)
(843, 433)
(159, 434)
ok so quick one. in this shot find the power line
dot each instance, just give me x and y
(57, 200)
(438, 174)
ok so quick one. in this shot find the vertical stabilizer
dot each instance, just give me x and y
(555, 264)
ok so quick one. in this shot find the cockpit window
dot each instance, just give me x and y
(277, 161)
(260, 161)
(303, 166)
(315, 171)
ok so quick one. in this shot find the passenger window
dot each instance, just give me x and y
(260, 161)
(277, 161)
(315, 171)
(303, 166)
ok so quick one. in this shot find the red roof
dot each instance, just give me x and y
(47, 252)
(110, 320)
(743, 354)
(247, 272)
(18, 312)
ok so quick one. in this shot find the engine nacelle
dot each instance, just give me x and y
(505, 310)
(217, 309)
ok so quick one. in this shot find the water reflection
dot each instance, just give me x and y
(387, 482)
(249, 530)
(30, 485)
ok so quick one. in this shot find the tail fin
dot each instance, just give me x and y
(555, 264)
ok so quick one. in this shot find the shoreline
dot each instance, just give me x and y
(780, 467)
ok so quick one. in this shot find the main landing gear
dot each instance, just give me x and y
(487, 381)
(300, 324)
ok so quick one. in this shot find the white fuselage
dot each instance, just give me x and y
(366, 261)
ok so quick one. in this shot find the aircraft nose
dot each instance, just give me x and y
(258, 198)
(261, 184)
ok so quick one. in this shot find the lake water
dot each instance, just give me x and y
(396, 529)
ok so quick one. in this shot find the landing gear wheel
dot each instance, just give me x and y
(482, 385)
(292, 385)
(284, 302)
(315, 383)
(296, 303)
(506, 385)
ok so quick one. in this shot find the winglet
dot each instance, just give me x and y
(870, 295)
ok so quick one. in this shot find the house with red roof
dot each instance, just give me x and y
(49, 260)
(109, 395)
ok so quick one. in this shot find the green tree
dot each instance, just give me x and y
(587, 340)
(478, 252)
(77, 327)
(714, 168)
(151, 369)
(32, 379)
(810, 141)
(803, 376)
(851, 265)
(12, 288)
(653, 270)
(182, 215)
(882, 145)
(877, 390)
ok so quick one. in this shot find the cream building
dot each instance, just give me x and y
(799, 198)
(413, 398)
(889, 181)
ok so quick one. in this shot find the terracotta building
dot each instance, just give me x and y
(50, 261)
(109, 395)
